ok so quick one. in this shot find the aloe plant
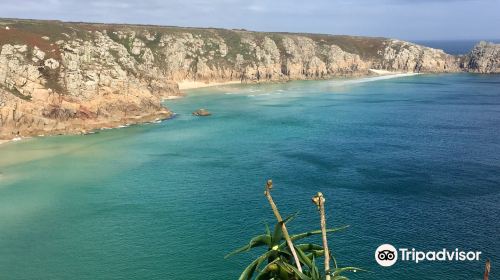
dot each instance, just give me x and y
(285, 258)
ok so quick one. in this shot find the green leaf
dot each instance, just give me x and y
(309, 261)
(314, 232)
(250, 269)
(268, 231)
(334, 261)
(316, 253)
(301, 275)
(315, 249)
(303, 257)
(311, 250)
(308, 247)
(278, 231)
(269, 269)
(291, 217)
(314, 269)
(257, 241)
(277, 235)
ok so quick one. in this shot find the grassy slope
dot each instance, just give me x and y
(30, 32)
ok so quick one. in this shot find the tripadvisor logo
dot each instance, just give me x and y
(387, 255)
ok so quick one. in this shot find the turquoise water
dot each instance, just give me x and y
(412, 161)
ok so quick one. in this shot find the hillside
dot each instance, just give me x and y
(58, 78)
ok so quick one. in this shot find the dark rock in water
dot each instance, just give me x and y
(202, 113)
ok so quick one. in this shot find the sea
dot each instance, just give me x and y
(408, 160)
(455, 47)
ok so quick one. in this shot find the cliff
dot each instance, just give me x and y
(484, 58)
(60, 77)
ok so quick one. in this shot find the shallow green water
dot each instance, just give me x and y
(412, 161)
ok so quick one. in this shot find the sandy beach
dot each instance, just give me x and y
(386, 72)
(189, 84)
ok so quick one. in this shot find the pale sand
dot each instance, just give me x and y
(190, 84)
(3, 141)
(187, 84)
(386, 72)
(173, 97)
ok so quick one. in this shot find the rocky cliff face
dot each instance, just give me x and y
(69, 78)
(404, 56)
(484, 58)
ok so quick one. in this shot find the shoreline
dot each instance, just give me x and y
(189, 84)
(5, 141)
(183, 85)
(92, 128)
(382, 72)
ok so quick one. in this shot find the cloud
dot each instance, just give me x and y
(406, 19)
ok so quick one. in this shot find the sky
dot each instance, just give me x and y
(403, 19)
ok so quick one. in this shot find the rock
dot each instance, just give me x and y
(21, 48)
(202, 113)
(137, 47)
(405, 56)
(7, 50)
(51, 63)
(484, 58)
(94, 78)
(37, 54)
(149, 36)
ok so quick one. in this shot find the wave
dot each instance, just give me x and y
(263, 93)
(373, 79)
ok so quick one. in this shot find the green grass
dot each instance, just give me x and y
(30, 32)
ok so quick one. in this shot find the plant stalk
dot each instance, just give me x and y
(319, 200)
(267, 193)
(487, 268)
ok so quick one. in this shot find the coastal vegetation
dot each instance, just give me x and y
(287, 256)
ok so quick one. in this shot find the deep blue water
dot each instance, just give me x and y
(455, 47)
(412, 161)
